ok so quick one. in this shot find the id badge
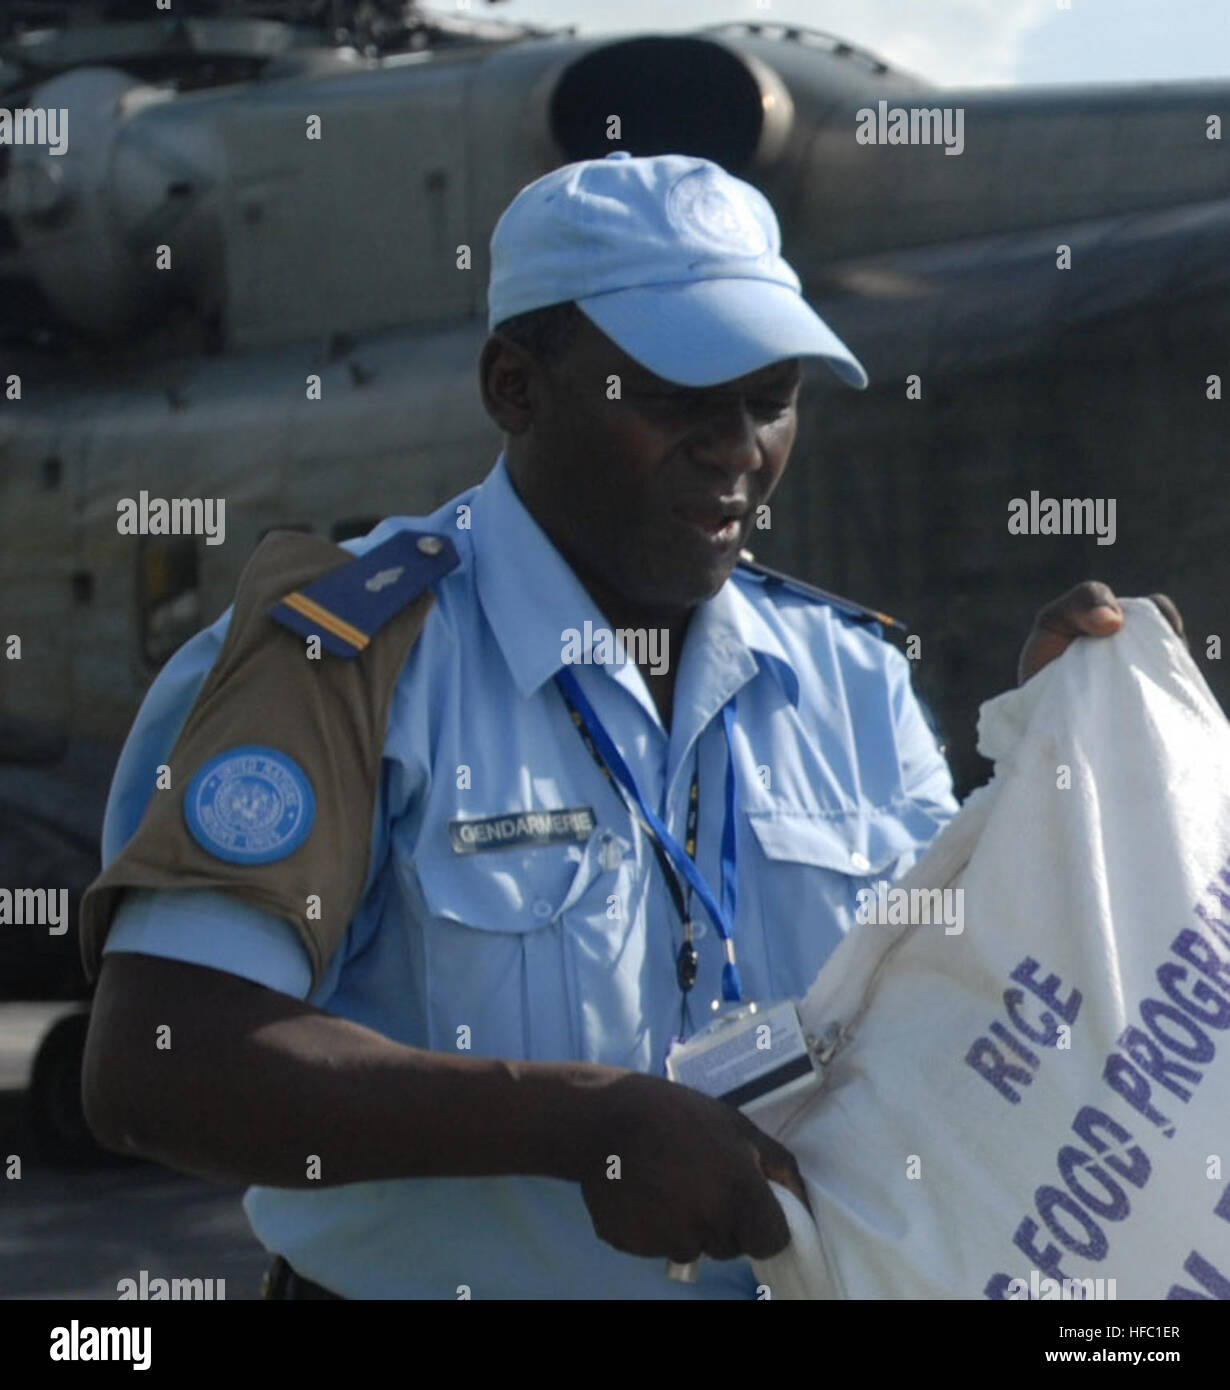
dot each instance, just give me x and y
(750, 1057)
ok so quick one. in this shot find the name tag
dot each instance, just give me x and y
(571, 824)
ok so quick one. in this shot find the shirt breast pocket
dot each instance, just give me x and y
(500, 975)
(811, 868)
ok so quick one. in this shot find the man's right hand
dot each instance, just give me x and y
(691, 1177)
(259, 1079)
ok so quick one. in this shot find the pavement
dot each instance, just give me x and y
(73, 1233)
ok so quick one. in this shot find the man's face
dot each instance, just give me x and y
(653, 493)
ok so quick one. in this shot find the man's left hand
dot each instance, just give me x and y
(1089, 610)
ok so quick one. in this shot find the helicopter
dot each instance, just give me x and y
(252, 276)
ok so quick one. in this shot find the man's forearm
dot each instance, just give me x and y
(259, 1087)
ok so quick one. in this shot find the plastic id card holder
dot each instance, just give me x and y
(754, 1055)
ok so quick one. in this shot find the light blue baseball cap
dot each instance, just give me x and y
(675, 260)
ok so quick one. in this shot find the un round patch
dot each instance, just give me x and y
(250, 805)
(700, 206)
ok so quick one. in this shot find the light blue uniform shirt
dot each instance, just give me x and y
(563, 950)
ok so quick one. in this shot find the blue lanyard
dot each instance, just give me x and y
(612, 763)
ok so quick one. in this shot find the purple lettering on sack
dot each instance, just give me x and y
(1074, 1163)
(1123, 1078)
(989, 1062)
(1046, 991)
(1141, 1048)
(1088, 1121)
(1013, 998)
(1202, 1270)
(1214, 924)
(1047, 1259)
(1176, 1031)
(1206, 1275)
(1200, 1049)
(1047, 1199)
(1170, 975)
(1016, 1045)
(1190, 946)
(998, 1287)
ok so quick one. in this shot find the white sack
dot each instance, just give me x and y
(1110, 1158)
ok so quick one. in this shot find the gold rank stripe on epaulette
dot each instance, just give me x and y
(346, 631)
(305, 799)
(349, 604)
(858, 611)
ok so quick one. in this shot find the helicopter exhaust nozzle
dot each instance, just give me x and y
(673, 95)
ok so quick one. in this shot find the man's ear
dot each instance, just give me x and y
(508, 380)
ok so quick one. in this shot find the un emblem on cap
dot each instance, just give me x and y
(701, 207)
(250, 805)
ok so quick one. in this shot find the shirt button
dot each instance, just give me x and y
(860, 862)
(542, 908)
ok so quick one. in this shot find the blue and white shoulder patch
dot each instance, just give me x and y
(347, 606)
(250, 805)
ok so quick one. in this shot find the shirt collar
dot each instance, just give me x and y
(531, 597)
(731, 623)
(528, 590)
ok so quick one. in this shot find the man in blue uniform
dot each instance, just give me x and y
(416, 861)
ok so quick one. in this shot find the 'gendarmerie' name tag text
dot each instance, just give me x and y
(519, 828)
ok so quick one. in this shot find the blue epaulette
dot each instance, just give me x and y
(775, 579)
(349, 605)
